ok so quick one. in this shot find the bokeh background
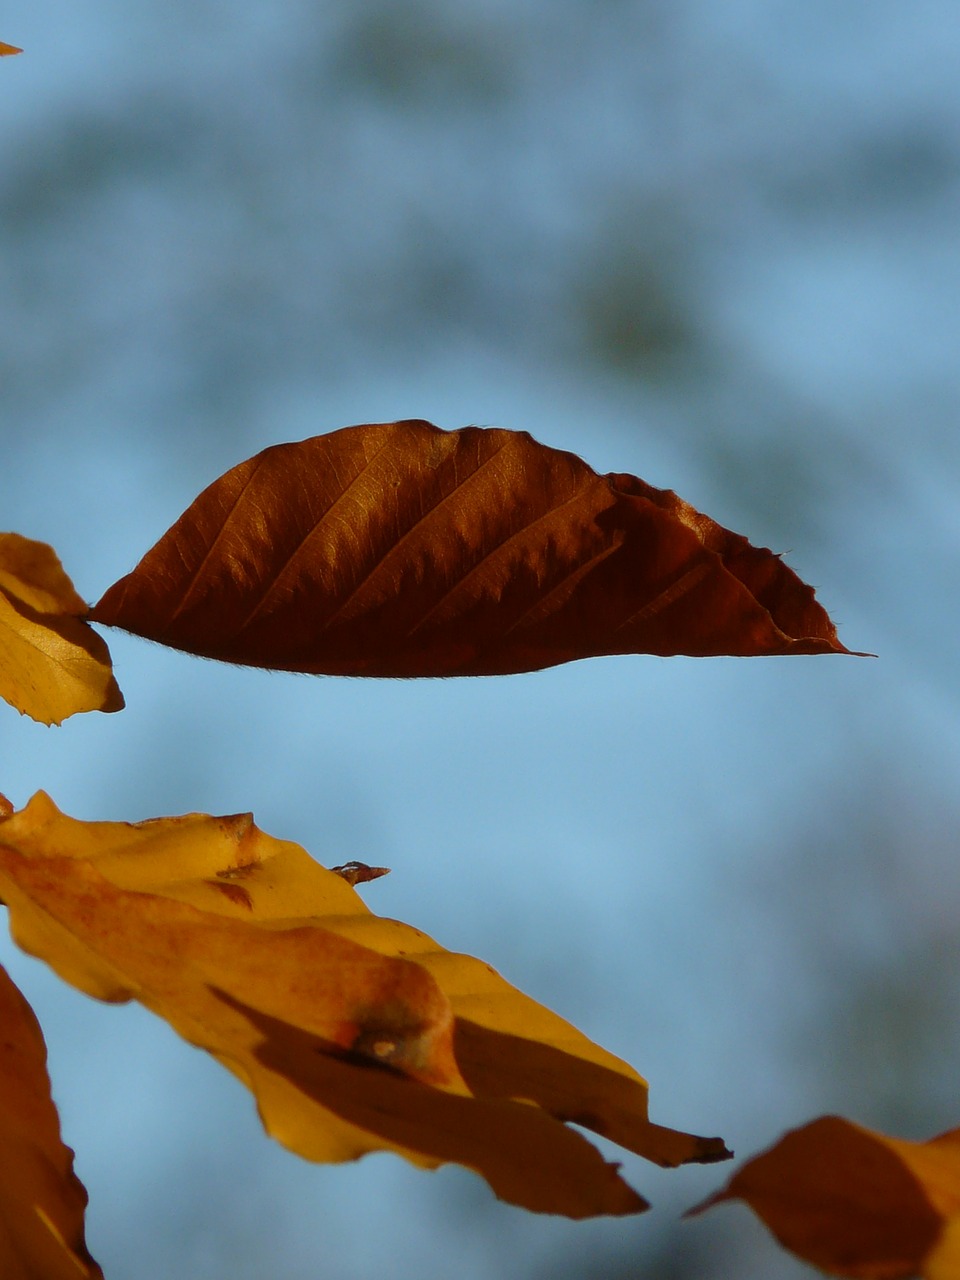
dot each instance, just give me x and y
(715, 245)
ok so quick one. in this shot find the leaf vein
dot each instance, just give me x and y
(430, 512)
(283, 569)
(497, 550)
(196, 576)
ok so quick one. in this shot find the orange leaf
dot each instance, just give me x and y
(52, 664)
(42, 1201)
(857, 1203)
(6, 49)
(399, 549)
(355, 1033)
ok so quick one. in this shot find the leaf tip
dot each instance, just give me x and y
(711, 1151)
(113, 699)
(359, 872)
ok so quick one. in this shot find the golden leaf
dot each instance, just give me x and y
(354, 1032)
(52, 664)
(856, 1203)
(398, 549)
(42, 1201)
(7, 49)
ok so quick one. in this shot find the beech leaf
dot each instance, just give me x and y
(42, 1201)
(856, 1203)
(52, 664)
(355, 1033)
(399, 549)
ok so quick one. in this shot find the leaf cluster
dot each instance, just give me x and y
(394, 549)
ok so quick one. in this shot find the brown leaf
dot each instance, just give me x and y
(857, 1203)
(355, 1033)
(7, 49)
(52, 664)
(359, 872)
(398, 549)
(42, 1201)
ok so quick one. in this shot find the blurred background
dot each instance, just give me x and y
(714, 245)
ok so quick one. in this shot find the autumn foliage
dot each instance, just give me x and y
(398, 549)
(857, 1203)
(393, 549)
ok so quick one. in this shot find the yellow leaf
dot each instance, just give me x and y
(42, 1201)
(857, 1203)
(52, 663)
(354, 1032)
(943, 1263)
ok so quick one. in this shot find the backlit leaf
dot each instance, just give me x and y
(398, 549)
(355, 1033)
(857, 1203)
(52, 664)
(42, 1201)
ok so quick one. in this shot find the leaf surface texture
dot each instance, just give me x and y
(355, 1033)
(52, 664)
(399, 549)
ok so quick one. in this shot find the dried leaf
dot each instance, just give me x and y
(52, 664)
(857, 1203)
(398, 549)
(359, 872)
(7, 49)
(42, 1201)
(354, 1032)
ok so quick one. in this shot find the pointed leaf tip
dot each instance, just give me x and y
(42, 1201)
(399, 549)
